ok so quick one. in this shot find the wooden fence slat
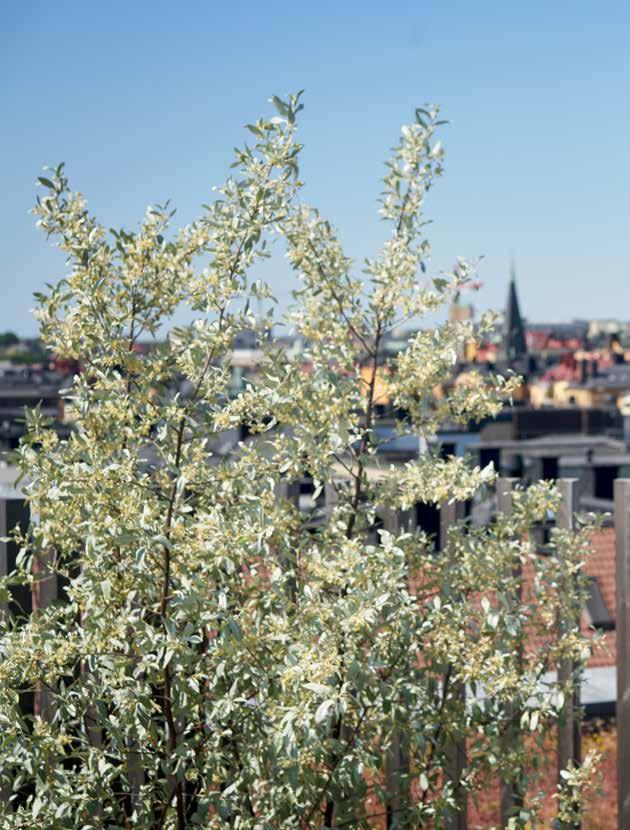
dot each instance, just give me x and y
(622, 535)
(569, 732)
(511, 794)
(45, 592)
(4, 558)
(5, 789)
(397, 761)
(450, 514)
(289, 491)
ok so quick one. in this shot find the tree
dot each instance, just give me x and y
(219, 658)
(8, 338)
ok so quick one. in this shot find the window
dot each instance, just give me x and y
(428, 520)
(17, 513)
(446, 450)
(490, 454)
(596, 608)
(604, 478)
(550, 468)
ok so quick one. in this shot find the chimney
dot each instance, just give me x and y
(582, 372)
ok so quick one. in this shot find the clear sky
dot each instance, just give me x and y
(145, 100)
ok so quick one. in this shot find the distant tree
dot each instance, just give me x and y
(219, 658)
(27, 358)
(8, 338)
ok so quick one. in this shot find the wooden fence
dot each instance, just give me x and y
(568, 742)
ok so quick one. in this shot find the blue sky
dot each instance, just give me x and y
(145, 100)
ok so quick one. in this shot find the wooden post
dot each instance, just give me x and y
(457, 819)
(4, 552)
(44, 593)
(511, 798)
(135, 775)
(397, 762)
(569, 732)
(5, 787)
(622, 533)
(331, 497)
(289, 491)
(13, 512)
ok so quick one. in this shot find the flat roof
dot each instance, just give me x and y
(610, 459)
(542, 445)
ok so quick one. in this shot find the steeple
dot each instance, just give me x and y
(514, 345)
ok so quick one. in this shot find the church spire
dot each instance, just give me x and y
(514, 345)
